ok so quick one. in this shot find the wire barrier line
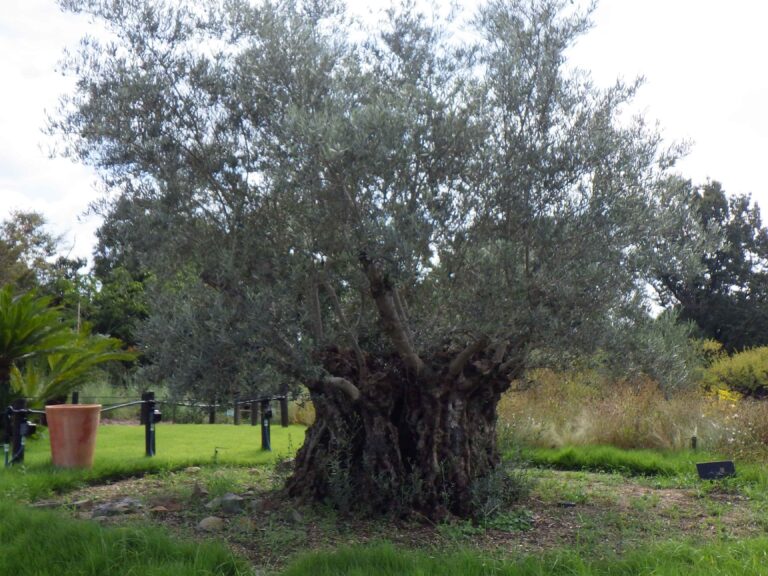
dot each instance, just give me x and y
(116, 406)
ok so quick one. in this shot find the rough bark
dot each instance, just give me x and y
(405, 443)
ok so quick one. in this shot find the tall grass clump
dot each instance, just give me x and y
(554, 409)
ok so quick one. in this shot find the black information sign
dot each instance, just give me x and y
(716, 470)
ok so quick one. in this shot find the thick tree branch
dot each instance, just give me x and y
(500, 350)
(400, 308)
(392, 323)
(313, 298)
(344, 385)
(457, 364)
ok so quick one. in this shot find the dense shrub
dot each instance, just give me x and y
(745, 372)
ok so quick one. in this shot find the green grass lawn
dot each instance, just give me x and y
(120, 454)
(670, 559)
(610, 459)
(42, 543)
(34, 542)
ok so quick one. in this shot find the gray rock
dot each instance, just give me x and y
(211, 524)
(229, 503)
(192, 469)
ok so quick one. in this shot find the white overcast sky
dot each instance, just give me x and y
(703, 60)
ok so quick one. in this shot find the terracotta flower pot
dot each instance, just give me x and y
(72, 428)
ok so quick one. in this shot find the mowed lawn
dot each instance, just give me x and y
(120, 453)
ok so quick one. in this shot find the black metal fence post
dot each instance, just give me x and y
(7, 435)
(266, 414)
(18, 423)
(148, 418)
(212, 413)
(236, 412)
(254, 412)
(284, 411)
(75, 397)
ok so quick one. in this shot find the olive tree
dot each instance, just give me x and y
(399, 218)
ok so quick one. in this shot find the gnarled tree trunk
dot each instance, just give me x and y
(395, 441)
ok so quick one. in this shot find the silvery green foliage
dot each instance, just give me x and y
(660, 348)
(253, 152)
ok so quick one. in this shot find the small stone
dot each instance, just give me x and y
(211, 524)
(229, 503)
(232, 503)
(192, 469)
(159, 510)
(80, 504)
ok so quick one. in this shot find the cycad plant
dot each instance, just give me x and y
(40, 356)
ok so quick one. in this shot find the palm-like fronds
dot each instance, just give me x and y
(40, 356)
(59, 373)
(29, 327)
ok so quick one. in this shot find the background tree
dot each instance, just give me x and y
(401, 223)
(728, 297)
(27, 250)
